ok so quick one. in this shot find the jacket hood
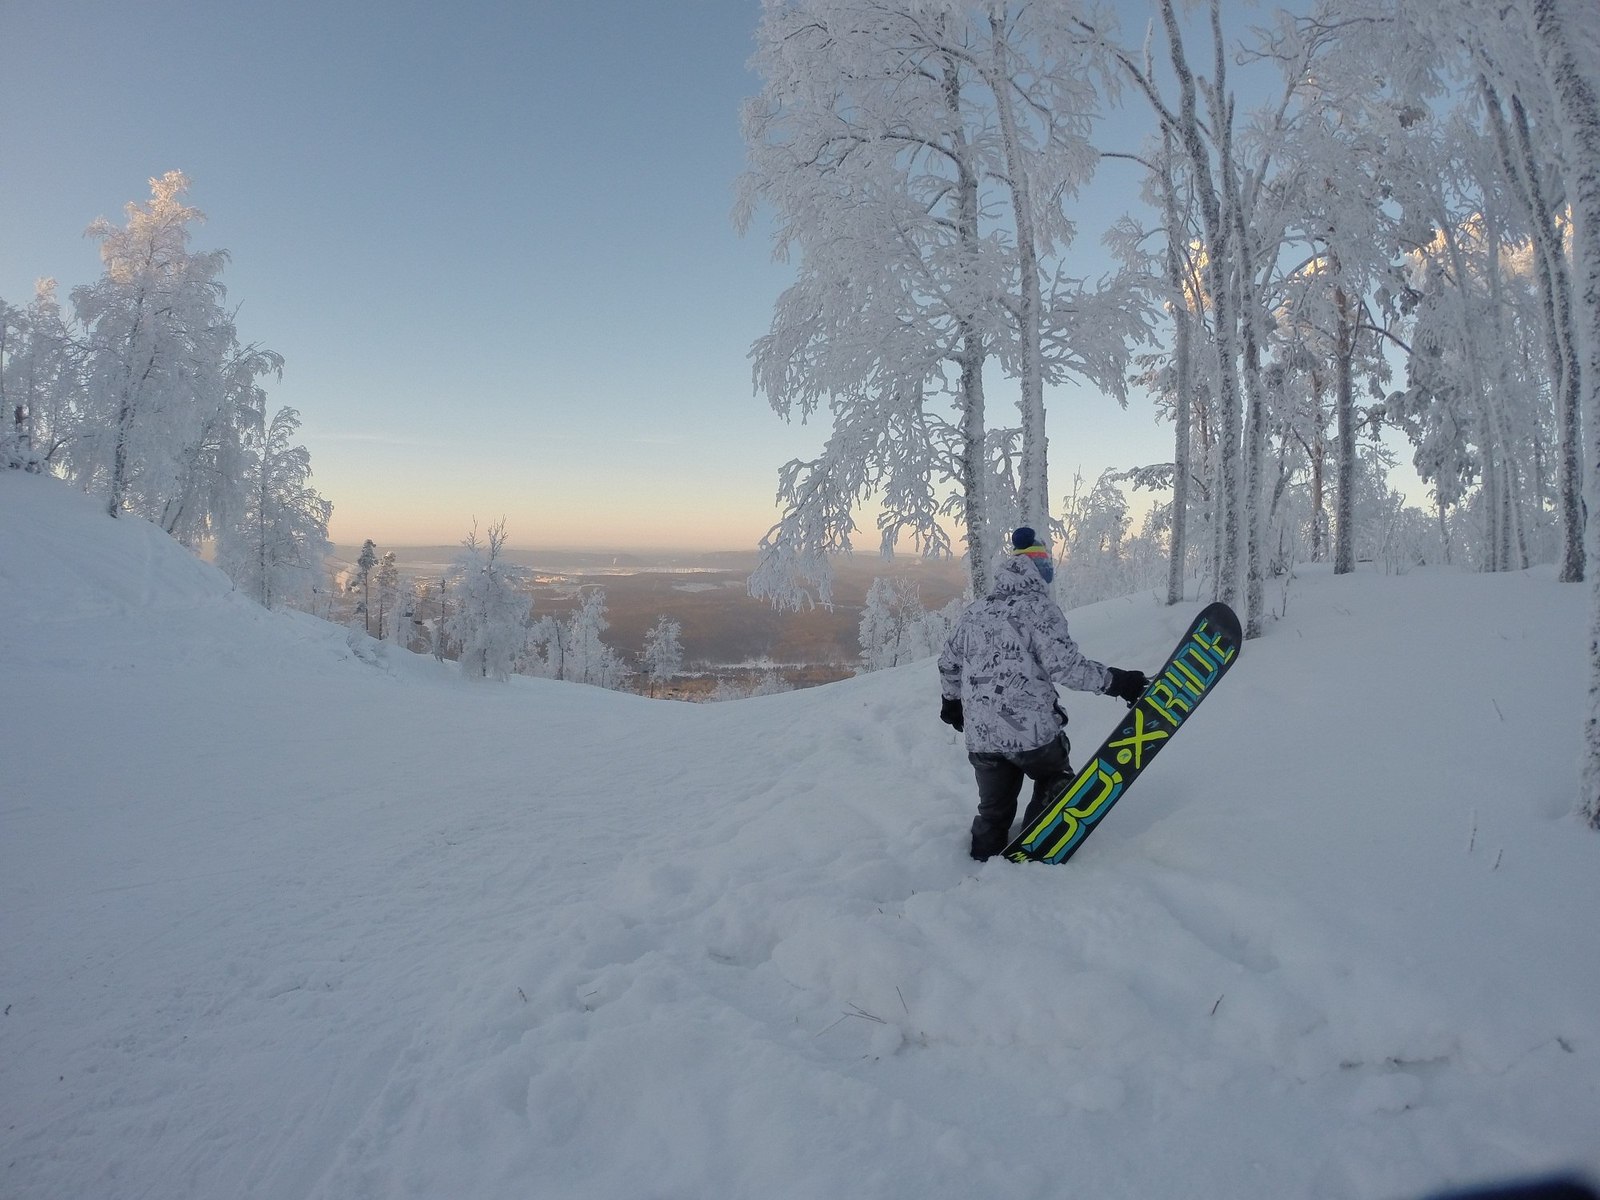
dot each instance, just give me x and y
(1015, 573)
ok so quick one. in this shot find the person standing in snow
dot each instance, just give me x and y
(997, 680)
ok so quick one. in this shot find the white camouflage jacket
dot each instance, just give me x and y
(1003, 657)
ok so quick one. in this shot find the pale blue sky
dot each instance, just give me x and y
(490, 239)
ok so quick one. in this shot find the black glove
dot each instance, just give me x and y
(950, 713)
(1127, 686)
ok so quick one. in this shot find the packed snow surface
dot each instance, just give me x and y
(285, 913)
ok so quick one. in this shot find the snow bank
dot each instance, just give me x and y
(287, 917)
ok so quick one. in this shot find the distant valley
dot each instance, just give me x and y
(725, 631)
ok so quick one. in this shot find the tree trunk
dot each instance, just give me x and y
(119, 459)
(974, 465)
(1255, 447)
(1344, 533)
(1489, 440)
(1219, 251)
(1035, 448)
(1177, 279)
(127, 409)
(1578, 104)
(1492, 501)
(1255, 471)
(261, 530)
(1514, 538)
(1521, 165)
(1319, 488)
(1566, 371)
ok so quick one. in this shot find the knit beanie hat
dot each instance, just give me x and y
(1026, 543)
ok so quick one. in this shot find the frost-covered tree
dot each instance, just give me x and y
(662, 659)
(1531, 186)
(917, 154)
(388, 595)
(587, 657)
(491, 615)
(546, 652)
(365, 561)
(1181, 275)
(439, 622)
(1566, 47)
(574, 649)
(1504, 56)
(1095, 525)
(16, 435)
(770, 682)
(1337, 156)
(275, 548)
(888, 618)
(1489, 175)
(206, 493)
(1199, 123)
(896, 629)
(143, 393)
(858, 143)
(167, 390)
(37, 382)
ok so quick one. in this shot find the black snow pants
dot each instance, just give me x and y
(1000, 779)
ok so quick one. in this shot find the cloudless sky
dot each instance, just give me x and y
(490, 239)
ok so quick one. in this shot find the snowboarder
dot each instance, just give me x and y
(996, 680)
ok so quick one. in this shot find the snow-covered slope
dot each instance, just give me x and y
(283, 915)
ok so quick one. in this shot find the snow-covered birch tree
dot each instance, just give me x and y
(900, 143)
(1182, 292)
(1564, 37)
(388, 596)
(888, 617)
(1183, 122)
(37, 382)
(490, 619)
(1487, 419)
(662, 659)
(859, 143)
(167, 390)
(588, 659)
(1525, 172)
(1502, 352)
(142, 393)
(275, 548)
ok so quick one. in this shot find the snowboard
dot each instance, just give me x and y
(1202, 658)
